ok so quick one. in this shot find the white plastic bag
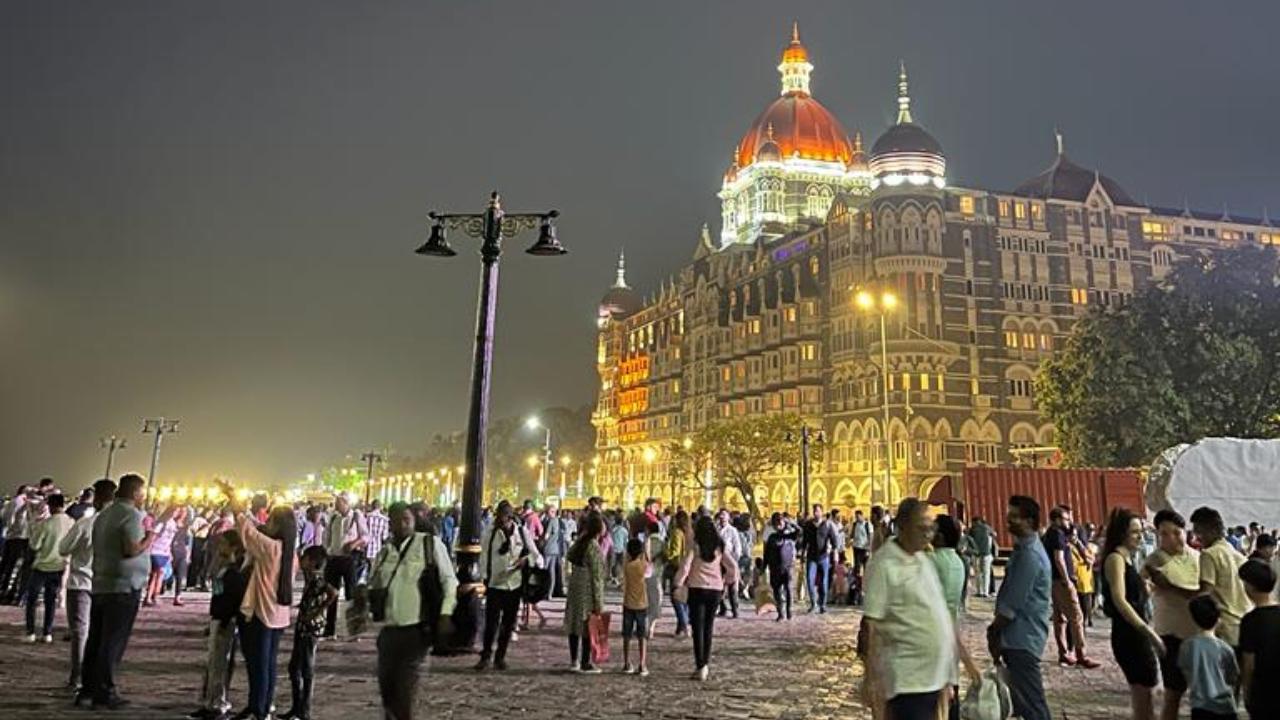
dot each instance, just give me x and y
(988, 699)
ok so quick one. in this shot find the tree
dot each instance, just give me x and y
(1197, 355)
(740, 452)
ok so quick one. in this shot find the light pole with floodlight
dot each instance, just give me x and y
(882, 306)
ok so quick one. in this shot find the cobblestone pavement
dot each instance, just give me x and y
(760, 669)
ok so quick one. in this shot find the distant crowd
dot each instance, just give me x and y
(1192, 612)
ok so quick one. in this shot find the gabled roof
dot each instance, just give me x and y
(1064, 180)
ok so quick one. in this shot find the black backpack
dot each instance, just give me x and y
(430, 589)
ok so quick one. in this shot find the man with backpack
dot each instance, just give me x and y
(417, 590)
(507, 550)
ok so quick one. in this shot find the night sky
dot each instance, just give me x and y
(208, 210)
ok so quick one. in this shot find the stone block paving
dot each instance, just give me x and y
(761, 670)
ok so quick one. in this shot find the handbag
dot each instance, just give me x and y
(430, 589)
(598, 634)
(988, 699)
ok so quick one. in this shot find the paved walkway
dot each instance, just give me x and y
(760, 669)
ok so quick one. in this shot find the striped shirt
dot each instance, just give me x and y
(378, 528)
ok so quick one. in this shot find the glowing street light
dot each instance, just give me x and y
(881, 306)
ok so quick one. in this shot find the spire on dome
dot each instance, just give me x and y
(795, 67)
(1057, 138)
(904, 100)
(621, 282)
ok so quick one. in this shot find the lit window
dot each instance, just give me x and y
(941, 386)
(973, 386)
(1011, 338)
(924, 381)
(1020, 210)
(1037, 212)
(1046, 342)
(1004, 208)
(1028, 340)
(790, 314)
(966, 205)
(1152, 228)
(1079, 296)
(813, 265)
(906, 381)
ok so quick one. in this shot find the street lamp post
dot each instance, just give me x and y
(111, 445)
(490, 227)
(161, 427)
(886, 303)
(369, 459)
(544, 474)
(807, 437)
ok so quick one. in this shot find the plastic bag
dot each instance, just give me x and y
(598, 630)
(988, 699)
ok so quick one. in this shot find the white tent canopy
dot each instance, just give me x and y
(1238, 478)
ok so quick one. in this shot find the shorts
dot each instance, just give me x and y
(1134, 654)
(1170, 674)
(159, 562)
(633, 623)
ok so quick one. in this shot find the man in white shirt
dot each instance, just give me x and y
(913, 645)
(860, 538)
(345, 540)
(404, 639)
(77, 546)
(733, 549)
(506, 550)
(17, 536)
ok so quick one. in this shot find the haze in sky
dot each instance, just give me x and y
(208, 210)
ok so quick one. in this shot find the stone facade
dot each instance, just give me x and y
(985, 284)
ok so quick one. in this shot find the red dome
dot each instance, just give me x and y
(800, 125)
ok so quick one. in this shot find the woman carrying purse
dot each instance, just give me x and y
(586, 592)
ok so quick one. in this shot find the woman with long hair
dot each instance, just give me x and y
(1124, 599)
(678, 540)
(264, 612)
(586, 591)
(704, 574)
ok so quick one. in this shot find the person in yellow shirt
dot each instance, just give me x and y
(635, 605)
(1219, 565)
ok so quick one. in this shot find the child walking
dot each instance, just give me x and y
(1209, 665)
(229, 582)
(317, 596)
(635, 605)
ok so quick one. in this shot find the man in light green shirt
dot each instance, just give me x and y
(403, 641)
(1219, 565)
(47, 566)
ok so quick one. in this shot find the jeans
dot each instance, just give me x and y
(580, 649)
(501, 608)
(914, 706)
(302, 669)
(555, 575)
(1026, 685)
(14, 550)
(781, 585)
(983, 575)
(702, 619)
(817, 583)
(48, 583)
(401, 649)
(220, 665)
(111, 617)
(729, 600)
(339, 570)
(260, 644)
(78, 602)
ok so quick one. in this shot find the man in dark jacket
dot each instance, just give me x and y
(780, 558)
(818, 544)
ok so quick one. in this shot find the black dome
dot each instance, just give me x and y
(620, 302)
(906, 137)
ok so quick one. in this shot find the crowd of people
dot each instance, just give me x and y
(1193, 612)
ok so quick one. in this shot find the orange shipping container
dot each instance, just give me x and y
(1091, 493)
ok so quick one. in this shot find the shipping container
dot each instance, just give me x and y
(1091, 493)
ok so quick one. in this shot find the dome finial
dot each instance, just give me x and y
(795, 67)
(621, 282)
(904, 100)
(1057, 137)
(769, 131)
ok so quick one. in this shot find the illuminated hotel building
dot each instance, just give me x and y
(763, 320)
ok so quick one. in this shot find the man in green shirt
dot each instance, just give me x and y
(47, 566)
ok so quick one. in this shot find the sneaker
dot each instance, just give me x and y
(627, 669)
(499, 664)
(643, 672)
(482, 665)
(590, 670)
(1088, 664)
(703, 672)
(47, 639)
(778, 619)
(31, 638)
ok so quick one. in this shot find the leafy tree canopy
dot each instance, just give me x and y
(1197, 355)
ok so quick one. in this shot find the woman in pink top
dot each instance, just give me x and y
(264, 612)
(704, 572)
